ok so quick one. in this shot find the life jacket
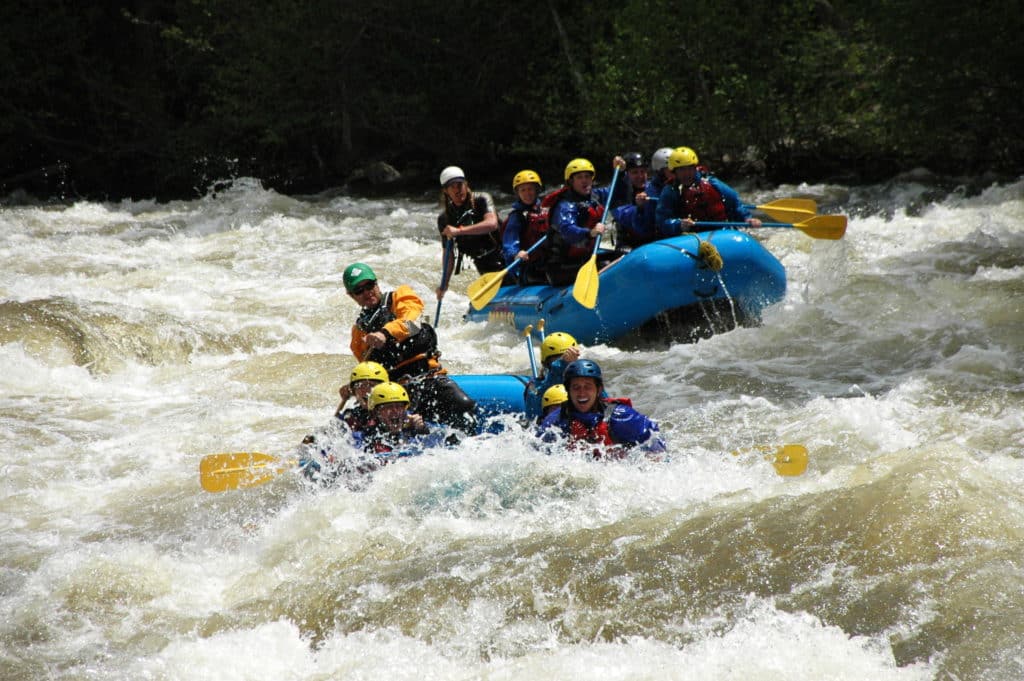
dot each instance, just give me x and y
(535, 225)
(473, 245)
(358, 418)
(590, 213)
(419, 347)
(387, 446)
(599, 434)
(702, 201)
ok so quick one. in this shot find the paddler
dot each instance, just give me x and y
(470, 220)
(601, 427)
(395, 432)
(577, 217)
(557, 351)
(695, 195)
(388, 331)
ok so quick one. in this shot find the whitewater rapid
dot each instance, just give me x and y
(138, 337)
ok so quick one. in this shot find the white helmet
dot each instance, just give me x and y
(451, 173)
(659, 159)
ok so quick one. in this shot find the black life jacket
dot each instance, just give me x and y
(358, 418)
(473, 245)
(421, 343)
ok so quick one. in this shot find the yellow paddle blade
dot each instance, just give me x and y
(823, 226)
(789, 460)
(220, 472)
(585, 288)
(483, 290)
(806, 206)
(790, 210)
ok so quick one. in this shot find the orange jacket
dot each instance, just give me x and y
(407, 307)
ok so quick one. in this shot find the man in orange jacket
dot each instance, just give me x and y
(388, 331)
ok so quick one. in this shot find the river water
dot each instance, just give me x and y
(137, 337)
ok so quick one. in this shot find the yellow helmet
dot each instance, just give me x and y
(578, 165)
(368, 371)
(525, 177)
(555, 344)
(387, 393)
(556, 394)
(681, 157)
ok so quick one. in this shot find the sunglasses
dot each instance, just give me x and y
(363, 288)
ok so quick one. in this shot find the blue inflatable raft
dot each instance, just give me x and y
(662, 287)
(496, 394)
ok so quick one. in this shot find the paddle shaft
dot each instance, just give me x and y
(744, 224)
(240, 470)
(607, 207)
(518, 261)
(448, 245)
(528, 332)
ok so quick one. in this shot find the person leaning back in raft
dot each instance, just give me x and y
(322, 451)
(396, 432)
(388, 331)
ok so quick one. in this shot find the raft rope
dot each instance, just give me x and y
(708, 254)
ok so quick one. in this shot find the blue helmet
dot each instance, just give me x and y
(582, 367)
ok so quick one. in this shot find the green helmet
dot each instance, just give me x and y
(355, 274)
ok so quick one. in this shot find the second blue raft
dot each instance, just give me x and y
(660, 282)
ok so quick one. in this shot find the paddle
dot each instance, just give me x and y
(540, 328)
(240, 470)
(220, 472)
(788, 210)
(585, 288)
(528, 332)
(789, 460)
(444, 275)
(818, 227)
(483, 290)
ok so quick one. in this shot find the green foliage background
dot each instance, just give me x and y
(160, 98)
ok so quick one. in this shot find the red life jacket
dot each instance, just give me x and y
(581, 434)
(535, 225)
(591, 213)
(701, 201)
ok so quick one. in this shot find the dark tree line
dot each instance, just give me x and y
(162, 97)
